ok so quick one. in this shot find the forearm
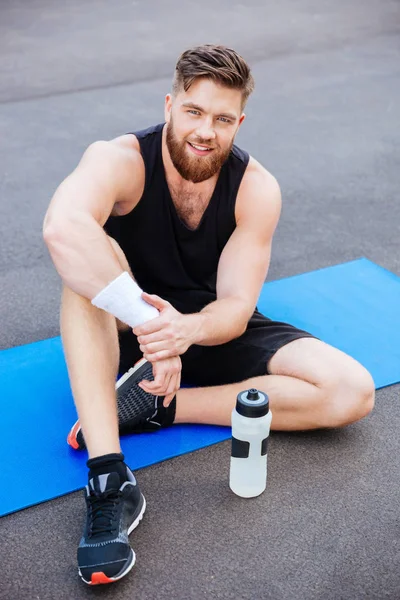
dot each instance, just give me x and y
(220, 322)
(82, 254)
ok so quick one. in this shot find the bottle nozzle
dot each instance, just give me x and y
(252, 394)
(252, 403)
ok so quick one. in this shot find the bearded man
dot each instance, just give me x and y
(162, 239)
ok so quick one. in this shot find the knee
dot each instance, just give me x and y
(351, 397)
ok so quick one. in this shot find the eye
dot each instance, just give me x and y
(224, 120)
(193, 112)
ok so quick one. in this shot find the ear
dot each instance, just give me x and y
(242, 118)
(167, 107)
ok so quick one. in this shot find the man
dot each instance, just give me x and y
(163, 239)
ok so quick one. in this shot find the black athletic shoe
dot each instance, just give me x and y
(138, 411)
(113, 511)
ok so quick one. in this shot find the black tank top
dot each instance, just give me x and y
(166, 257)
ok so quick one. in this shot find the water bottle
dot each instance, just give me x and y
(251, 422)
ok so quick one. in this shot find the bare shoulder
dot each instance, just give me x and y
(258, 181)
(128, 142)
(259, 194)
(121, 162)
(118, 150)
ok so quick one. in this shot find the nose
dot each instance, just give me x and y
(205, 130)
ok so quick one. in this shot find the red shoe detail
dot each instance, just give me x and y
(98, 578)
(71, 439)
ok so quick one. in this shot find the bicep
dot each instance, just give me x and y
(101, 179)
(243, 267)
(245, 260)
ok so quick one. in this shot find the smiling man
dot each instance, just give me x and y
(163, 240)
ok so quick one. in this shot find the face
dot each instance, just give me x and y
(201, 127)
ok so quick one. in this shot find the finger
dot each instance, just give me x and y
(158, 350)
(155, 300)
(167, 400)
(158, 356)
(170, 393)
(152, 387)
(167, 387)
(149, 327)
(155, 347)
(150, 338)
(175, 385)
(160, 378)
(147, 386)
(171, 390)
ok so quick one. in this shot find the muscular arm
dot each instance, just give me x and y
(108, 180)
(244, 262)
(109, 177)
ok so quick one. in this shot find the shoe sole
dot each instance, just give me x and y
(76, 428)
(132, 370)
(99, 578)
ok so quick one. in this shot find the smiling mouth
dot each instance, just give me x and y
(200, 149)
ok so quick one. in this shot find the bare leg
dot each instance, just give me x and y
(313, 385)
(90, 342)
(295, 404)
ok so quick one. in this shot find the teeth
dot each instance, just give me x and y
(199, 147)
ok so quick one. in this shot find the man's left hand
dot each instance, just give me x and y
(170, 334)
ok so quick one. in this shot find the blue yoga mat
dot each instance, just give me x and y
(353, 306)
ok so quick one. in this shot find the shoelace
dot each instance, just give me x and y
(102, 512)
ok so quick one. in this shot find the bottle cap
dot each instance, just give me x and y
(252, 403)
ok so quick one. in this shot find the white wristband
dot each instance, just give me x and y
(122, 298)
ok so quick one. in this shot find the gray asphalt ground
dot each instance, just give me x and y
(324, 119)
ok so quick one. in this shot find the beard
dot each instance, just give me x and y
(194, 168)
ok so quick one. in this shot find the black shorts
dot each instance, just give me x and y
(244, 357)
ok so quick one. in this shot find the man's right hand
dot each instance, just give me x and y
(167, 379)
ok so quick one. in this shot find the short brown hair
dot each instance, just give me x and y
(219, 63)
